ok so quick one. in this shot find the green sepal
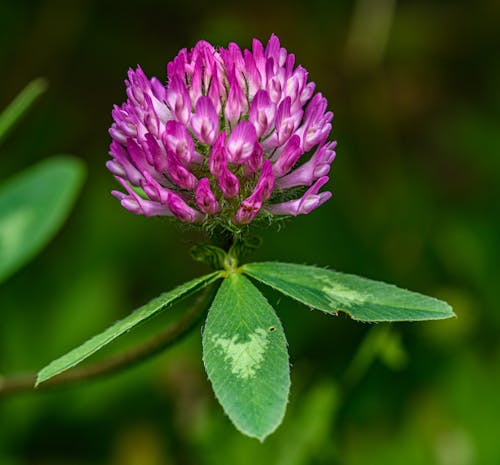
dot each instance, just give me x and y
(213, 256)
(218, 259)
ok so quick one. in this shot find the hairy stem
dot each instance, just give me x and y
(25, 382)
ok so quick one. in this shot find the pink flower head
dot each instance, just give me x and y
(227, 137)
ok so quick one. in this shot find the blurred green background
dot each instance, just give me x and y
(414, 86)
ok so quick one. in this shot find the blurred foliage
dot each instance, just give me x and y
(414, 88)
(33, 205)
(11, 115)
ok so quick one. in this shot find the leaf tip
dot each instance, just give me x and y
(261, 436)
(39, 379)
(40, 85)
(446, 310)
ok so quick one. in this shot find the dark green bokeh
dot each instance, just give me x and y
(414, 87)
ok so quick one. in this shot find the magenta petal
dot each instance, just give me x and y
(262, 112)
(179, 174)
(310, 203)
(307, 203)
(252, 74)
(122, 159)
(136, 204)
(147, 94)
(233, 60)
(273, 47)
(316, 167)
(217, 158)
(289, 64)
(178, 100)
(288, 157)
(249, 209)
(154, 190)
(241, 142)
(182, 210)
(195, 89)
(229, 184)
(255, 160)
(156, 153)
(275, 84)
(236, 101)
(251, 206)
(116, 168)
(205, 121)
(265, 184)
(177, 139)
(205, 199)
(137, 155)
(286, 122)
(215, 91)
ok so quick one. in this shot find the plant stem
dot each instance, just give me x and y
(25, 382)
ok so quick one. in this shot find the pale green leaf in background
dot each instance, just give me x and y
(307, 437)
(362, 299)
(20, 105)
(33, 206)
(246, 358)
(151, 309)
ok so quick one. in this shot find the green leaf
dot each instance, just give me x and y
(246, 358)
(20, 105)
(362, 299)
(33, 206)
(151, 309)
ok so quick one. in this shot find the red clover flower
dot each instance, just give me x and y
(233, 137)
